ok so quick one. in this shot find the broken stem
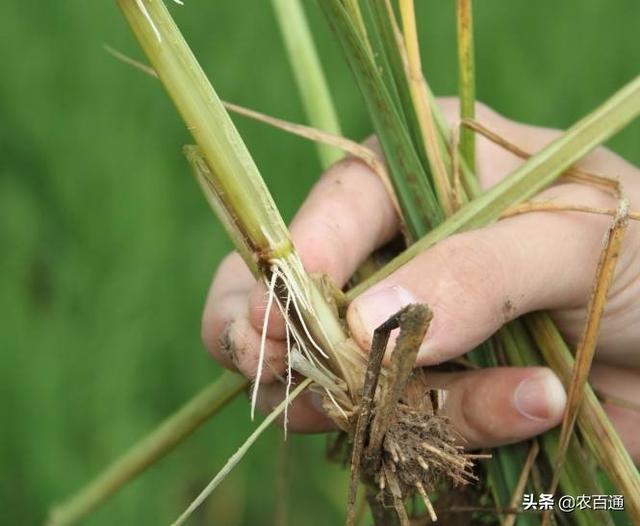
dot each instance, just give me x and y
(587, 344)
(245, 201)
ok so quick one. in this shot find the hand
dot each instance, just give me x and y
(474, 282)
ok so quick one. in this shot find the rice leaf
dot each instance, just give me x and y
(419, 94)
(420, 207)
(385, 37)
(529, 178)
(521, 486)
(242, 451)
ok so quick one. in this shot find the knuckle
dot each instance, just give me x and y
(244, 348)
(343, 171)
(472, 273)
(245, 355)
(226, 297)
(211, 327)
(322, 249)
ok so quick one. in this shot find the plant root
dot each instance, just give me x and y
(400, 443)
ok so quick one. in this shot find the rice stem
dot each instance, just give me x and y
(466, 77)
(419, 94)
(242, 451)
(310, 78)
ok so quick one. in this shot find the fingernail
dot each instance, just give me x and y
(540, 397)
(374, 308)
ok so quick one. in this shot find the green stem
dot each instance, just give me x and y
(466, 78)
(469, 180)
(353, 8)
(530, 177)
(241, 452)
(209, 123)
(166, 437)
(310, 78)
(577, 476)
(243, 197)
(203, 176)
(598, 432)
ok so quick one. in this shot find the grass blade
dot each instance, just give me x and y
(242, 451)
(420, 97)
(420, 207)
(386, 40)
(466, 77)
(310, 78)
(521, 486)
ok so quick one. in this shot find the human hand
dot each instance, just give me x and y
(474, 282)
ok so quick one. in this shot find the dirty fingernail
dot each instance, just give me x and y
(540, 397)
(374, 308)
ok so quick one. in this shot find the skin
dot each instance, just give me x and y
(474, 282)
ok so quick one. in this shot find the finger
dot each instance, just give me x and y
(347, 215)
(622, 384)
(501, 405)
(305, 414)
(226, 300)
(476, 281)
(245, 347)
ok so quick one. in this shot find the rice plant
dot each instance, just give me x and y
(393, 437)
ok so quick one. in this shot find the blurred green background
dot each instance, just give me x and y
(108, 247)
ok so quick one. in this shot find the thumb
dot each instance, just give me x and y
(476, 281)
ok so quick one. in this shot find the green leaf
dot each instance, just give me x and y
(529, 178)
(307, 70)
(419, 205)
